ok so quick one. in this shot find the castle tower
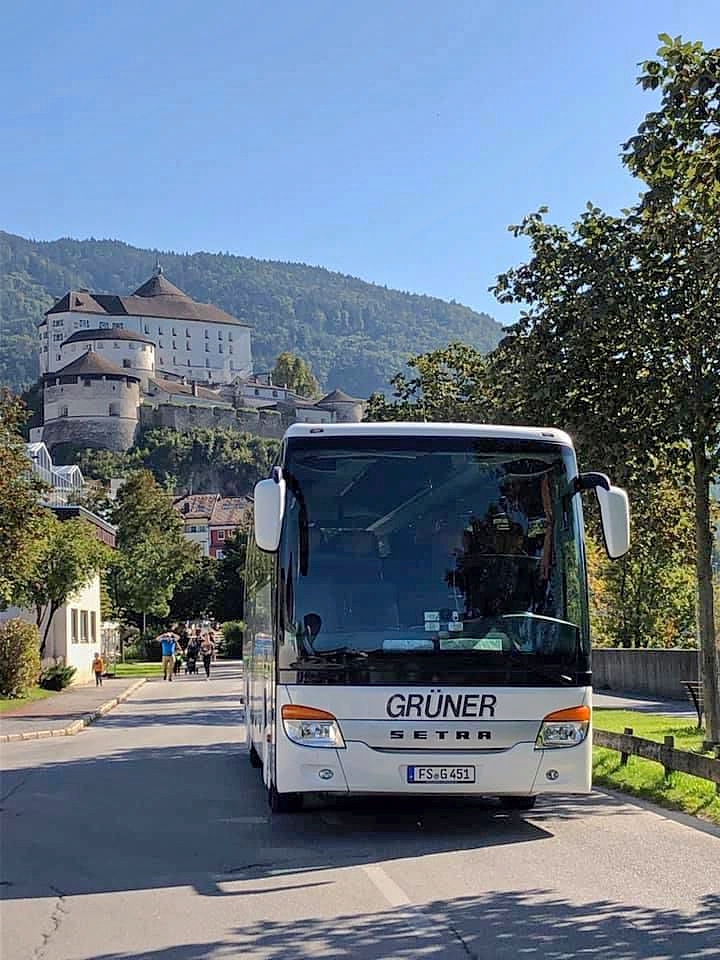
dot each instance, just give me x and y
(133, 352)
(345, 409)
(91, 402)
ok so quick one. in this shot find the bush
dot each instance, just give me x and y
(57, 676)
(19, 657)
(232, 645)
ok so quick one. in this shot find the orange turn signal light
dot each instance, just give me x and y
(293, 711)
(577, 714)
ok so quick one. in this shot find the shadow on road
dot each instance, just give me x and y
(499, 926)
(171, 816)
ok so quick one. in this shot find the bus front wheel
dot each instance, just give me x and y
(517, 803)
(283, 802)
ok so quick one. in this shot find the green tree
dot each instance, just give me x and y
(295, 374)
(228, 603)
(621, 336)
(21, 515)
(153, 555)
(450, 385)
(70, 556)
(194, 595)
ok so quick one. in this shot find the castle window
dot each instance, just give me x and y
(256, 392)
(207, 335)
(116, 345)
(126, 363)
(147, 329)
(187, 333)
(220, 335)
(207, 363)
(174, 361)
(230, 335)
(275, 393)
(87, 382)
(173, 331)
(100, 345)
(220, 348)
(63, 412)
(207, 348)
(230, 348)
(84, 323)
(189, 363)
(104, 325)
(188, 347)
(174, 343)
(118, 326)
(114, 410)
(159, 331)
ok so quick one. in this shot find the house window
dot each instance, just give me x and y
(93, 626)
(74, 635)
(84, 634)
(219, 554)
(221, 534)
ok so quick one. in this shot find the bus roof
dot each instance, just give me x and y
(417, 429)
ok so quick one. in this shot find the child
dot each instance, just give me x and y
(98, 667)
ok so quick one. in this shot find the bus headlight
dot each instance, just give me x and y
(564, 728)
(310, 727)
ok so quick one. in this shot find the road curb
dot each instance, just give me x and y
(77, 725)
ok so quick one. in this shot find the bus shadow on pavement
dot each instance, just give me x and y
(184, 815)
(500, 925)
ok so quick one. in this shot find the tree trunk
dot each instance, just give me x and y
(51, 613)
(709, 655)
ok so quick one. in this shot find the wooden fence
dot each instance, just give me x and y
(665, 753)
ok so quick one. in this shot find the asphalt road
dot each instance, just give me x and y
(148, 836)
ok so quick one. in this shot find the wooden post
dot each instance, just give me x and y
(669, 745)
(624, 756)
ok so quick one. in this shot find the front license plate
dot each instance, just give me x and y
(441, 774)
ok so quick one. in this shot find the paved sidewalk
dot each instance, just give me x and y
(66, 712)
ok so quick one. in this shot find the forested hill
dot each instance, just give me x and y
(355, 334)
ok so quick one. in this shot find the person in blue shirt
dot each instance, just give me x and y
(170, 643)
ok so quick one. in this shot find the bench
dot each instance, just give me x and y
(694, 691)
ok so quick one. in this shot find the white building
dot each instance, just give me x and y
(191, 339)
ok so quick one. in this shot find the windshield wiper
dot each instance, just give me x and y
(325, 658)
(564, 679)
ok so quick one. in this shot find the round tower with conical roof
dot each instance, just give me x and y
(91, 402)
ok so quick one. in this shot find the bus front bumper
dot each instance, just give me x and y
(359, 769)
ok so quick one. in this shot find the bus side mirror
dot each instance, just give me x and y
(615, 516)
(269, 498)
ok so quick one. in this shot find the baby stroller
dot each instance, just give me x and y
(191, 661)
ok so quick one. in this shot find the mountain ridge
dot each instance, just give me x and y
(356, 334)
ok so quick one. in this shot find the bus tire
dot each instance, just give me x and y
(283, 802)
(254, 757)
(517, 803)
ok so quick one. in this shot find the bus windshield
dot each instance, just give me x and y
(433, 547)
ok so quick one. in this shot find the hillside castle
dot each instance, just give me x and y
(111, 364)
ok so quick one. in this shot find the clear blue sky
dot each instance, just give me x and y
(393, 140)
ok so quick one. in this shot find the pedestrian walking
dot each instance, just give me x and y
(98, 668)
(169, 644)
(207, 650)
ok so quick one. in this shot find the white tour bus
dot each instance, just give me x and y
(417, 615)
